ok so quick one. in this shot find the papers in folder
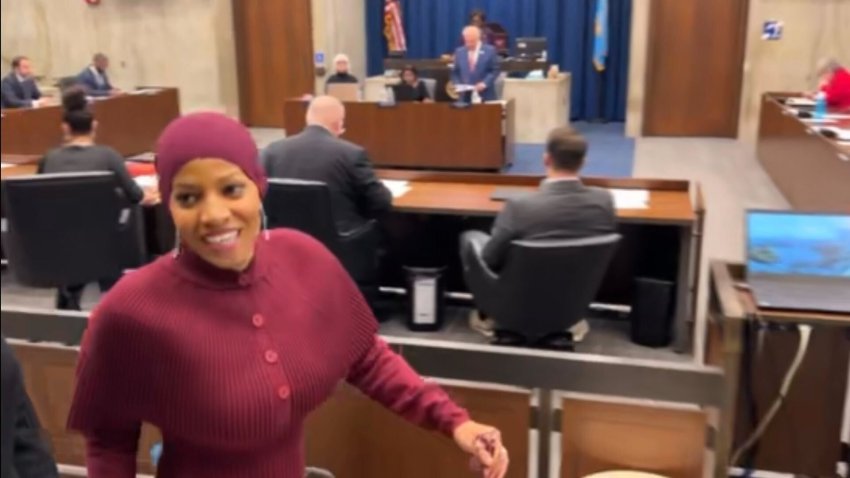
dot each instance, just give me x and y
(397, 188)
(464, 88)
(631, 198)
(800, 102)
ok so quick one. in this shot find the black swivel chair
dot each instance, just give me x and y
(543, 289)
(75, 228)
(306, 206)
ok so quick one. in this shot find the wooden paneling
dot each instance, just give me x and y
(357, 438)
(424, 135)
(603, 436)
(274, 52)
(695, 67)
(49, 374)
(350, 434)
(812, 171)
(131, 124)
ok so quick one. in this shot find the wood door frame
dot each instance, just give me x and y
(651, 62)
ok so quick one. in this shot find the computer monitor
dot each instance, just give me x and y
(792, 243)
(532, 48)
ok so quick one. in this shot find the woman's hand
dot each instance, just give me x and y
(484, 443)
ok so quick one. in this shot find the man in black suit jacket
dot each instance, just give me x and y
(18, 87)
(94, 78)
(24, 455)
(563, 208)
(318, 154)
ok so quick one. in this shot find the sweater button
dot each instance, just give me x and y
(271, 356)
(258, 320)
(283, 392)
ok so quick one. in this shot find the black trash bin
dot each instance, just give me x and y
(425, 293)
(652, 312)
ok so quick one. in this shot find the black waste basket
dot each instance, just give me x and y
(652, 312)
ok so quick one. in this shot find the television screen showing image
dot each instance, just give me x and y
(789, 243)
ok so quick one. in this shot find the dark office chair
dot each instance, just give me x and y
(74, 228)
(306, 206)
(543, 289)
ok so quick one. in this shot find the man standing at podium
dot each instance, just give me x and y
(475, 65)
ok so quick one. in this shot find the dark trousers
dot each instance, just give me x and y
(69, 297)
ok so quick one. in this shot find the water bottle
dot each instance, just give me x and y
(820, 105)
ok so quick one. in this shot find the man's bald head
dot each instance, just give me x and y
(471, 36)
(327, 112)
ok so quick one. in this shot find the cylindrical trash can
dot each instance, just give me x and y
(425, 291)
(652, 312)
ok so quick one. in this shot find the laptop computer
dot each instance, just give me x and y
(404, 93)
(344, 91)
(799, 260)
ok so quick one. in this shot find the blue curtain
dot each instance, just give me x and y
(433, 28)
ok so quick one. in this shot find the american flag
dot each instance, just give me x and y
(393, 27)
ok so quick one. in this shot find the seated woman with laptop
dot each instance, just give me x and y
(411, 87)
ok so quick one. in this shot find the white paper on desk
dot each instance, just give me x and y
(817, 120)
(146, 91)
(396, 187)
(837, 116)
(146, 181)
(464, 88)
(800, 102)
(631, 198)
(5, 165)
(148, 157)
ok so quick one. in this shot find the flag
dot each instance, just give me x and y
(393, 27)
(600, 35)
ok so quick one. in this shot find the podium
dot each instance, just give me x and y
(424, 135)
(542, 104)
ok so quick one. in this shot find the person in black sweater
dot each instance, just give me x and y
(411, 87)
(341, 74)
(81, 154)
(23, 453)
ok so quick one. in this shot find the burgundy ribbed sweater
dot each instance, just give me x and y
(228, 365)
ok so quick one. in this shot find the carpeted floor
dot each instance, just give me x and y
(610, 153)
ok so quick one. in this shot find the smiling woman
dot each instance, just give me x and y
(227, 345)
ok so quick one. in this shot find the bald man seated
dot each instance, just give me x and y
(318, 154)
(476, 64)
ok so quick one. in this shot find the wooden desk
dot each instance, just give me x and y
(424, 135)
(662, 241)
(805, 436)
(811, 171)
(18, 165)
(130, 123)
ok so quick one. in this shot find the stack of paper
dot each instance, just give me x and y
(397, 188)
(800, 102)
(147, 181)
(631, 198)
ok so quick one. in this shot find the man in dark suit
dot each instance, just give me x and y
(476, 64)
(18, 87)
(318, 154)
(24, 454)
(563, 208)
(94, 79)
